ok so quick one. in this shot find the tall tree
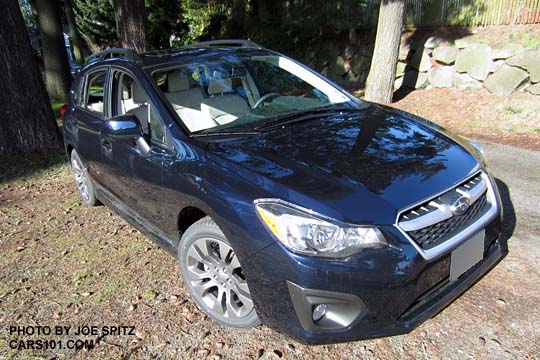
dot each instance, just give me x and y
(382, 74)
(76, 41)
(26, 117)
(238, 18)
(55, 61)
(131, 24)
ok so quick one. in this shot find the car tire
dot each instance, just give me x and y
(213, 275)
(82, 180)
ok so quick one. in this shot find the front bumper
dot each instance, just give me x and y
(398, 287)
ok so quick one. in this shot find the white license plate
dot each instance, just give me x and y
(467, 255)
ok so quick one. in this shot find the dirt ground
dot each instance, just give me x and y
(66, 264)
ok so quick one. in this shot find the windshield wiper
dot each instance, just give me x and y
(225, 133)
(301, 116)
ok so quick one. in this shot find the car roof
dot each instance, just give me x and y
(207, 50)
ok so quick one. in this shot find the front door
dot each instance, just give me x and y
(135, 177)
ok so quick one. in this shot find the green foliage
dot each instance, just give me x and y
(529, 41)
(150, 294)
(164, 20)
(26, 10)
(95, 21)
(285, 25)
(197, 16)
(512, 109)
(56, 108)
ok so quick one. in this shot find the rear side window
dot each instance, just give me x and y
(95, 92)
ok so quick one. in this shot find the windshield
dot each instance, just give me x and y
(245, 92)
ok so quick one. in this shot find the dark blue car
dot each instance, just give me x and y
(286, 200)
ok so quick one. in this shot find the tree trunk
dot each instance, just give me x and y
(26, 118)
(76, 40)
(238, 17)
(131, 24)
(55, 62)
(382, 74)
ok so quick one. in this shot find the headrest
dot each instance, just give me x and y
(219, 74)
(125, 94)
(177, 82)
(139, 97)
(220, 86)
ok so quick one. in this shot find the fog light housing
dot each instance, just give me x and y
(323, 311)
(318, 312)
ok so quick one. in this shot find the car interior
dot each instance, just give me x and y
(133, 100)
(200, 108)
(95, 92)
(216, 93)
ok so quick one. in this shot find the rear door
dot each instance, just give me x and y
(90, 115)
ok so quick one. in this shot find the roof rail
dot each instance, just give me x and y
(129, 54)
(227, 43)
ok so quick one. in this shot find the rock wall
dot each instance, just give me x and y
(466, 65)
(461, 64)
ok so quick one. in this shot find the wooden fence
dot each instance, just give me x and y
(471, 12)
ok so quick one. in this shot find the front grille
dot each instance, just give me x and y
(435, 221)
(438, 233)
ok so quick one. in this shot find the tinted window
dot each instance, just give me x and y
(95, 92)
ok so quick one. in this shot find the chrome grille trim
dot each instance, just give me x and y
(472, 190)
(457, 239)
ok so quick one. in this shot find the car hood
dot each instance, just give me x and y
(359, 167)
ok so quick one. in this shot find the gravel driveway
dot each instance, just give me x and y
(63, 263)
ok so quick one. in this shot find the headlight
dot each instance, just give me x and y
(305, 232)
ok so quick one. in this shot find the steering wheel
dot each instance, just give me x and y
(264, 98)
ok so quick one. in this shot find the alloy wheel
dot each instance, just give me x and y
(81, 179)
(217, 279)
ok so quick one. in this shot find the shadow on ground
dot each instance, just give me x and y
(415, 40)
(24, 166)
(509, 215)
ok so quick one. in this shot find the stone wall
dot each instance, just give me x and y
(463, 65)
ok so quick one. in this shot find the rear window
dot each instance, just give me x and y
(95, 92)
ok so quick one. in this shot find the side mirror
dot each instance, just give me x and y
(124, 127)
(128, 128)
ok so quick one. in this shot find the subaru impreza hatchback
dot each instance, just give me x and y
(286, 200)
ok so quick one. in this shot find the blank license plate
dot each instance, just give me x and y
(467, 255)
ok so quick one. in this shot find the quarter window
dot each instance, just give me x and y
(95, 92)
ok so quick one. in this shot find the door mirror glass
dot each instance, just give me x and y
(127, 126)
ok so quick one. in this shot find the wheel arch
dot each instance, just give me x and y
(187, 217)
(69, 149)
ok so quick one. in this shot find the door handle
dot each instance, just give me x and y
(106, 144)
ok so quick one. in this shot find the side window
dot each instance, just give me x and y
(131, 98)
(95, 92)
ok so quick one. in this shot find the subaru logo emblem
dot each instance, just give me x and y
(460, 206)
